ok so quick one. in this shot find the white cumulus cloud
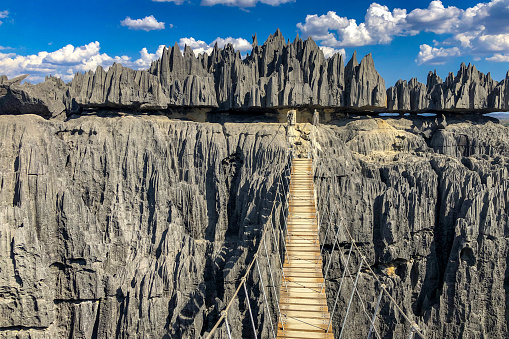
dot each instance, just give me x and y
(68, 60)
(244, 3)
(436, 56)
(3, 15)
(200, 46)
(477, 31)
(329, 51)
(499, 58)
(148, 23)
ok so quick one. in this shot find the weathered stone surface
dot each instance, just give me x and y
(45, 99)
(427, 204)
(468, 90)
(121, 227)
(500, 96)
(274, 74)
(410, 96)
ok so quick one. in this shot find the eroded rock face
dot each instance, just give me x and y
(122, 227)
(427, 204)
(469, 90)
(277, 73)
(142, 226)
(46, 99)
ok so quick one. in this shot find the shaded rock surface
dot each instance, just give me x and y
(131, 227)
(142, 226)
(427, 204)
(46, 99)
(468, 90)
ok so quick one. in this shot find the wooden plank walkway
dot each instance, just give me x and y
(304, 306)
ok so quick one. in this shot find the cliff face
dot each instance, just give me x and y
(142, 226)
(468, 90)
(427, 203)
(122, 227)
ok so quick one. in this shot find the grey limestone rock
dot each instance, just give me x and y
(469, 90)
(111, 227)
(46, 98)
(429, 213)
(277, 73)
(500, 95)
(121, 227)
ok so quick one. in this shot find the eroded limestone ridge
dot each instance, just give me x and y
(277, 73)
(468, 90)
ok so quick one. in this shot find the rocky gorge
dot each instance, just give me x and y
(140, 226)
(121, 219)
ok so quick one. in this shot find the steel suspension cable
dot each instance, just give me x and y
(265, 297)
(350, 302)
(272, 280)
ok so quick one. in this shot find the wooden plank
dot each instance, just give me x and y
(303, 301)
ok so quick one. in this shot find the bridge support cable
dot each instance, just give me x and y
(271, 222)
(273, 283)
(350, 302)
(285, 234)
(328, 228)
(264, 296)
(249, 307)
(339, 289)
(330, 257)
(225, 314)
(372, 325)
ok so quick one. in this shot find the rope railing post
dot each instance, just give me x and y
(371, 327)
(264, 296)
(330, 257)
(339, 289)
(351, 298)
(273, 284)
(225, 314)
(249, 307)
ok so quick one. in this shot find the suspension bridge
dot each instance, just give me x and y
(300, 308)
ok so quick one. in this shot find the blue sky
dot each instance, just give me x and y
(407, 38)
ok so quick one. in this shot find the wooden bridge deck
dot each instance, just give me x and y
(304, 306)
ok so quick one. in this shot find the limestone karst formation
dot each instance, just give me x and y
(277, 73)
(468, 90)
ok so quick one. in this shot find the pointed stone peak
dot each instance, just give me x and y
(276, 37)
(507, 75)
(297, 38)
(367, 60)
(255, 41)
(176, 48)
(353, 61)
(188, 51)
